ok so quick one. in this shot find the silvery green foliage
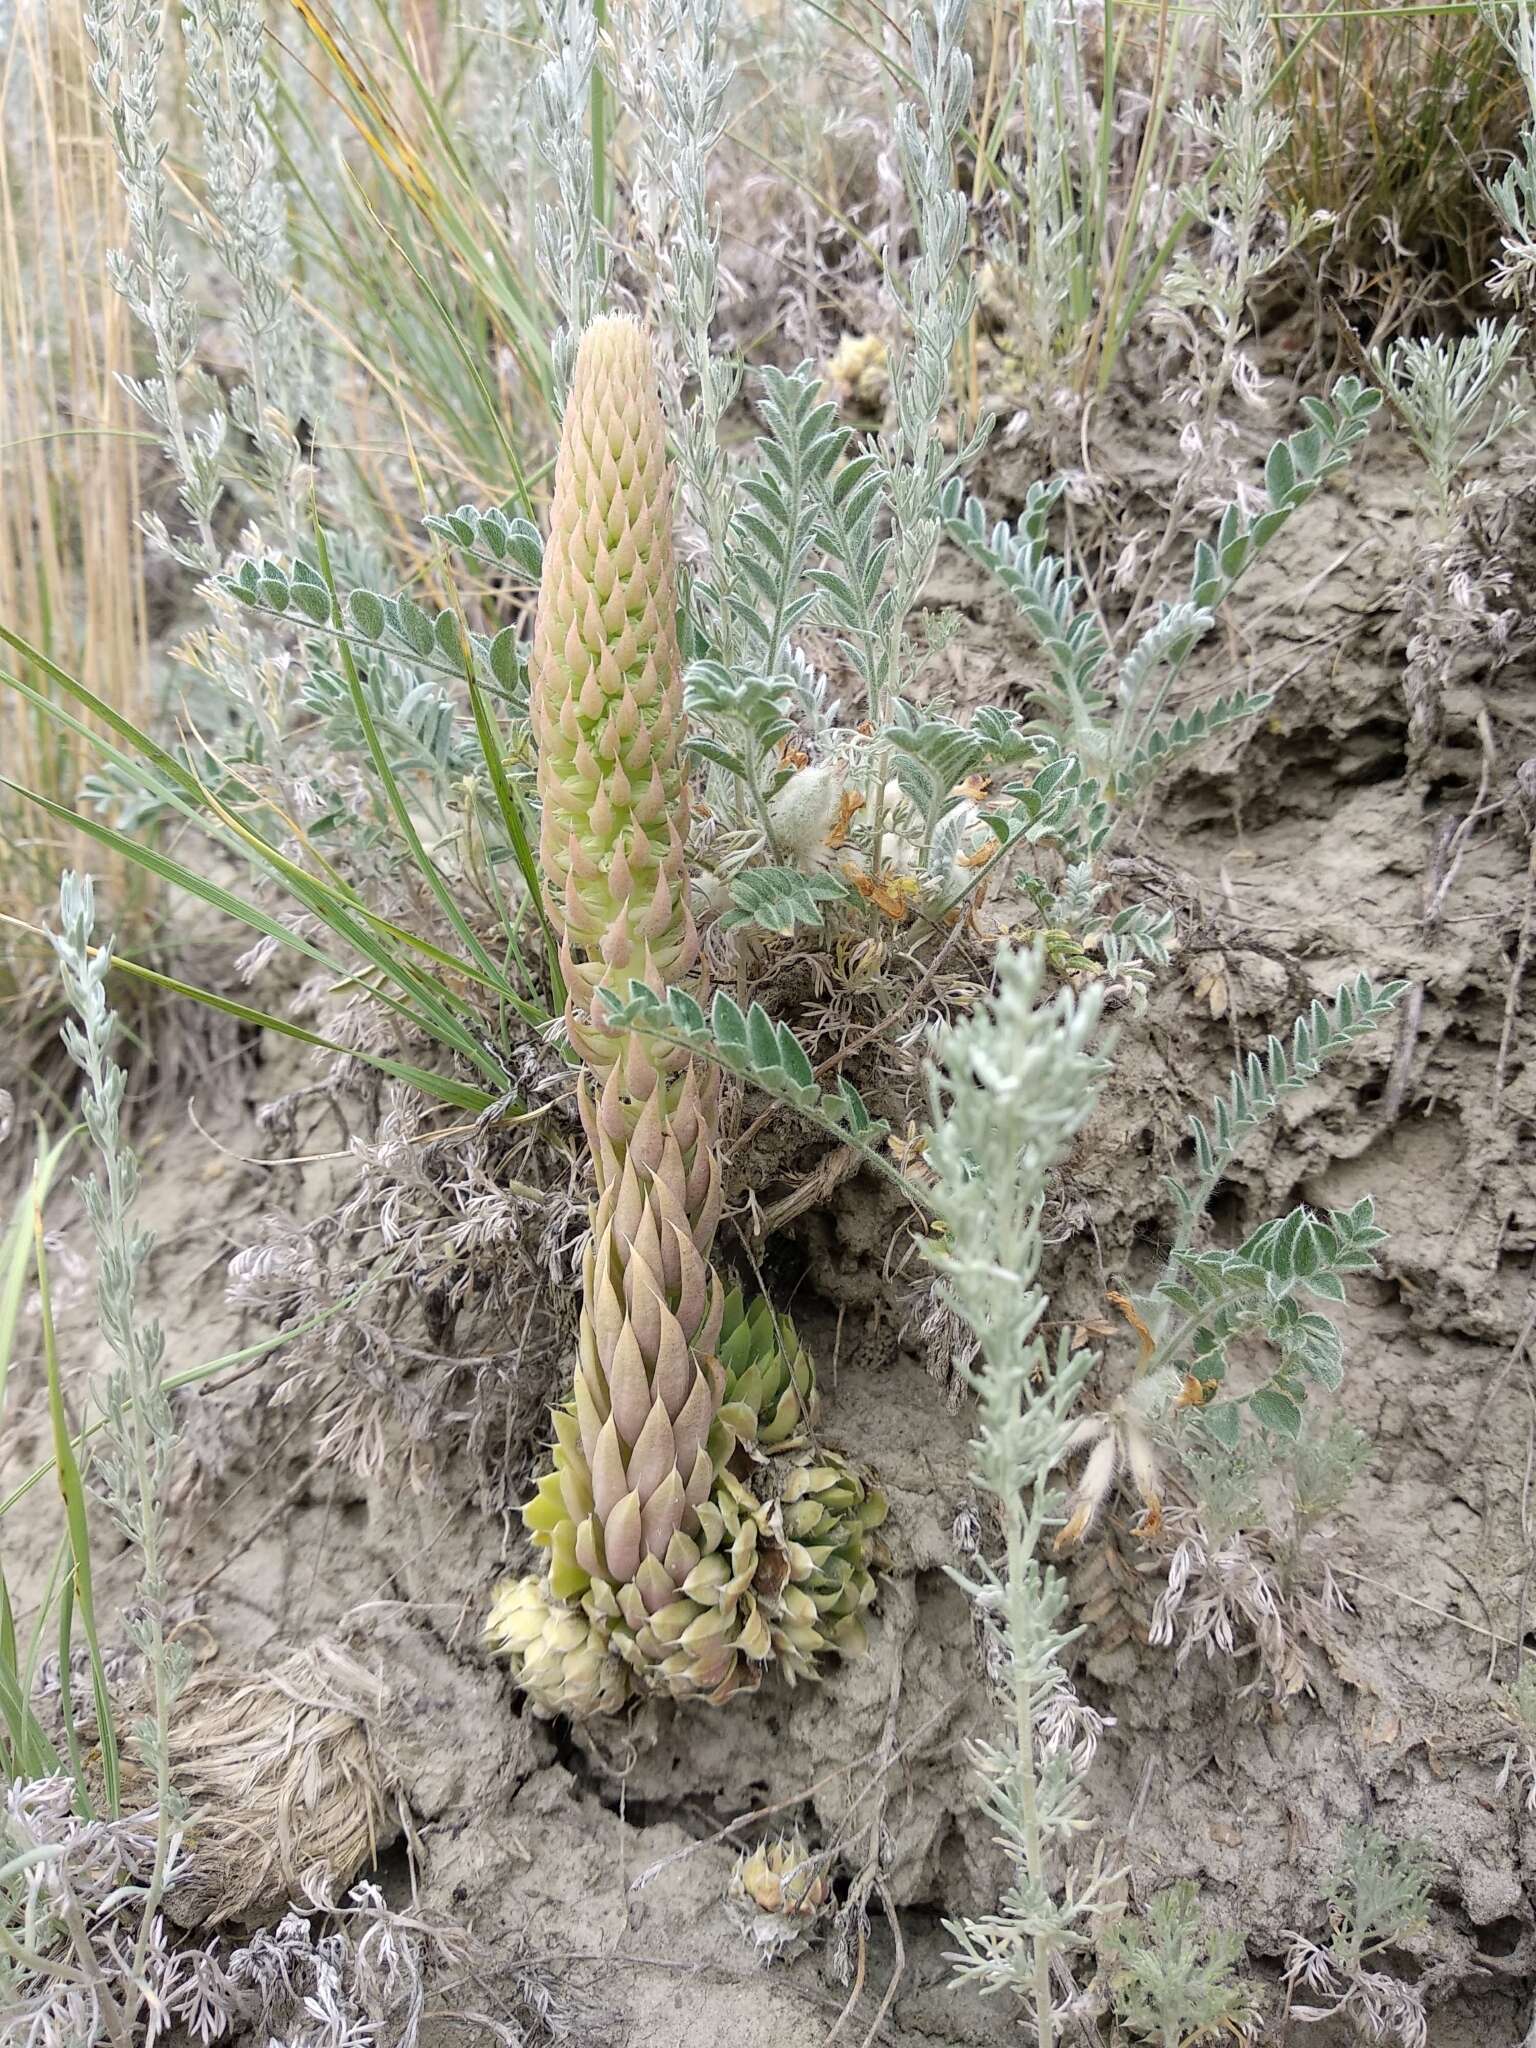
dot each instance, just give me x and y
(789, 563)
(1128, 943)
(69, 1891)
(781, 900)
(79, 1898)
(1109, 706)
(1051, 216)
(1285, 1066)
(1514, 194)
(129, 41)
(1379, 1892)
(1378, 1897)
(500, 106)
(136, 1451)
(679, 76)
(754, 592)
(804, 532)
(880, 513)
(940, 296)
(1207, 1301)
(1240, 135)
(1216, 1298)
(333, 1973)
(751, 1045)
(493, 539)
(1174, 1980)
(1457, 398)
(1324, 1466)
(572, 262)
(1011, 1087)
(431, 642)
(244, 221)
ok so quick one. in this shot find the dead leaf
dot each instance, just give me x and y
(1383, 1728)
(1093, 1326)
(849, 804)
(1212, 987)
(1132, 1315)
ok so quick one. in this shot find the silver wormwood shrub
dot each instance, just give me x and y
(1277, 1285)
(1458, 399)
(1514, 194)
(80, 1943)
(1011, 1088)
(1378, 1897)
(129, 39)
(1173, 1979)
(244, 222)
(571, 256)
(137, 1447)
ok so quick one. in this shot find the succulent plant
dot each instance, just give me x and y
(692, 1531)
(827, 1515)
(777, 1893)
(608, 716)
(784, 1555)
(770, 1383)
(562, 1659)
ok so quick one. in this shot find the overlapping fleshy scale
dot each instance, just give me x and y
(668, 1552)
(780, 1568)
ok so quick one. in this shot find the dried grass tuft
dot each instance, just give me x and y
(284, 1779)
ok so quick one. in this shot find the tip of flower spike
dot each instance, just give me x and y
(616, 343)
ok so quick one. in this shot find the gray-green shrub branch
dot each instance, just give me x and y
(1206, 1300)
(431, 641)
(1256, 1089)
(1011, 1087)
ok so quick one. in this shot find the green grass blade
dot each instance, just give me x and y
(83, 1799)
(124, 727)
(238, 839)
(442, 1087)
(515, 824)
(432, 1006)
(78, 1591)
(27, 1750)
(178, 876)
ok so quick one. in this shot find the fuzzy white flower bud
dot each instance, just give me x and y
(804, 811)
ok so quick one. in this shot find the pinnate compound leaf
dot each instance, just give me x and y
(751, 1045)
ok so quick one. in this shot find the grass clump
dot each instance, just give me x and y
(1396, 119)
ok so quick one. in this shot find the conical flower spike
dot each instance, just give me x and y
(607, 697)
(665, 1568)
(638, 1447)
